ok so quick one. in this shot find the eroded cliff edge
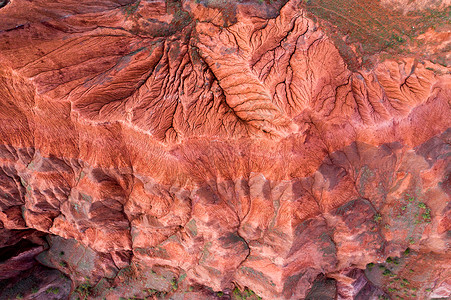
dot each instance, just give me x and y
(180, 149)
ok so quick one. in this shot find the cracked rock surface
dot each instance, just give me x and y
(204, 149)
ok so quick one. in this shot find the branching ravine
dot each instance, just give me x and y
(164, 99)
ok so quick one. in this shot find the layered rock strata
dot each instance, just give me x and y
(180, 149)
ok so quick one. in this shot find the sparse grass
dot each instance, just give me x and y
(52, 290)
(397, 287)
(130, 9)
(151, 291)
(84, 290)
(376, 28)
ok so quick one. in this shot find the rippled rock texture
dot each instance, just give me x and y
(211, 149)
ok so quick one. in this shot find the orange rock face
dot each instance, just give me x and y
(215, 149)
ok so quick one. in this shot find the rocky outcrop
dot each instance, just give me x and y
(204, 149)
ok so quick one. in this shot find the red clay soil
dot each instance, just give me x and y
(214, 149)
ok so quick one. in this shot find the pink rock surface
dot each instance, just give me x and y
(178, 149)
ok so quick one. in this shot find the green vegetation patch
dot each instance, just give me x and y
(390, 276)
(375, 27)
(84, 290)
(52, 290)
(245, 294)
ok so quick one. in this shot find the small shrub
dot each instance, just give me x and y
(174, 284)
(152, 291)
(377, 218)
(426, 216)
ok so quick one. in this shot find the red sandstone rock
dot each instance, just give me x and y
(186, 148)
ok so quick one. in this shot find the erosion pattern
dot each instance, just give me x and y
(214, 149)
